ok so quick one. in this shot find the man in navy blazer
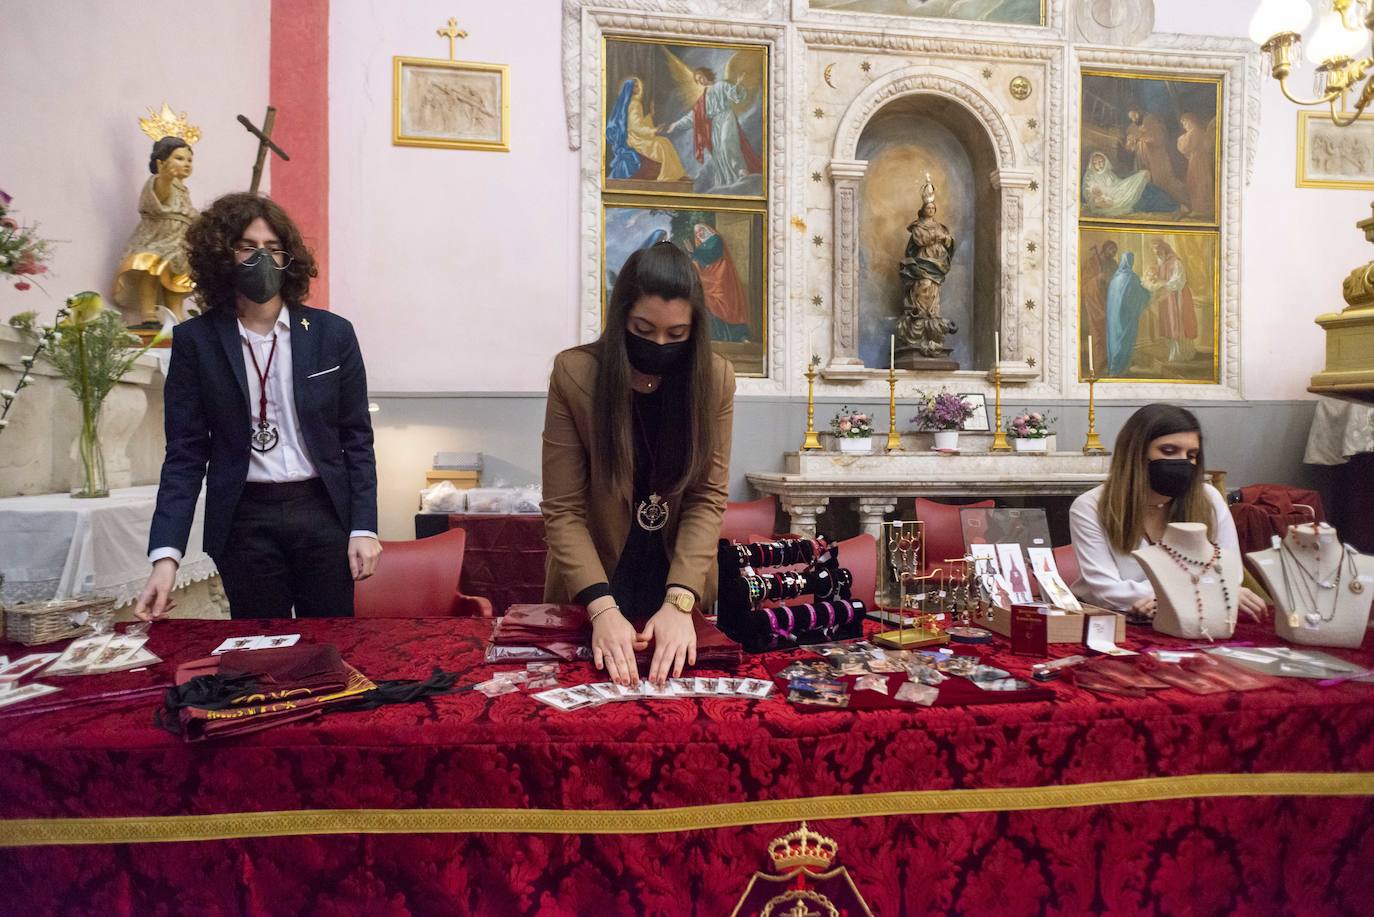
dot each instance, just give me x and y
(266, 402)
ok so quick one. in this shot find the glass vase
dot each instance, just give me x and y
(92, 457)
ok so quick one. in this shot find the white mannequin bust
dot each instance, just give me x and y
(1322, 588)
(1197, 585)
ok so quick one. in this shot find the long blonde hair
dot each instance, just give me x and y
(1126, 495)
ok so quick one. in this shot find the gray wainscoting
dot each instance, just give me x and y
(1253, 441)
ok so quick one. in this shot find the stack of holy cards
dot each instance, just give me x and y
(11, 692)
(100, 654)
(257, 642)
(534, 676)
(592, 695)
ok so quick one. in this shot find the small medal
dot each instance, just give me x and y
(652, 514)
(264, 438)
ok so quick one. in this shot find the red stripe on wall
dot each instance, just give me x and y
(298, 86)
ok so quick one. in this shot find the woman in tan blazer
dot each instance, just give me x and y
(637, 466)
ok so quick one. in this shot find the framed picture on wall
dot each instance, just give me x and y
(978, 423)
(456, 105)
(730, 251)
(1330, 156)
(1149, 302)
(1149, 148)
(1019, 12)
(685, 118)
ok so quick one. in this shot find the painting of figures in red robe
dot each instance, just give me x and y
(727, 249)
(685, 118)
(1148, 300)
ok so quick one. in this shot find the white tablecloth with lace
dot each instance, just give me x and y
(54, 547)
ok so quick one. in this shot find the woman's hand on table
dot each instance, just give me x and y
(1254, 606)
(675, 641)
(1145, 606)
(614, 643)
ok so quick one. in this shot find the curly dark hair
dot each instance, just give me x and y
(210, 248)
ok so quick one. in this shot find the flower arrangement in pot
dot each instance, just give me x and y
(1030, 431)
(944, 413)
(852, 430)
(22, 250)
(91, 350)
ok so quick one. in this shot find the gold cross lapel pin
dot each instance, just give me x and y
(305, 323)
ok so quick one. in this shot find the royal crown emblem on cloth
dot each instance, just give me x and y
(807, 882)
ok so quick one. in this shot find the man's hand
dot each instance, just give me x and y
(156, 599)
(363, 555)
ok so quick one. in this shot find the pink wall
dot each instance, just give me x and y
(457, 267)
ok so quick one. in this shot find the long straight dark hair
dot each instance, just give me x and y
(688, 437)
(1126, 496)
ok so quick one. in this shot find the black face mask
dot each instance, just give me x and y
(260, 279)
(1171, 477)
(654, 358)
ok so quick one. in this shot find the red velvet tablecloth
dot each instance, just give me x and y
(1226, 804)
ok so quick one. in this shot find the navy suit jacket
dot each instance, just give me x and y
(208, 423)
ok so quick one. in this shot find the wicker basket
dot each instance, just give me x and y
(35, 623)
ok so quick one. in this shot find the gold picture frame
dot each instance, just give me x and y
(1102, 132)
(1353, 154)
(1150, 317)
(450, 104)
(889, 8)
(663, 79)
(623, 221)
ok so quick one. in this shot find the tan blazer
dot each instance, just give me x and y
(586, 523)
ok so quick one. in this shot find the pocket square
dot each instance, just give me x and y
(324, 372)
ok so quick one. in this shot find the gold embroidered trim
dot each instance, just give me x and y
(37, 832)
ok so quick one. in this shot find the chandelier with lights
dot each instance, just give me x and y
(1339, 47)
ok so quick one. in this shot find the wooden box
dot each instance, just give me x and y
(1066, 628)
(463, 480)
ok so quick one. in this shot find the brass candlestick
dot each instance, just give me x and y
(894, 439)
(999, 436)
(812, 441)
(1093, 444)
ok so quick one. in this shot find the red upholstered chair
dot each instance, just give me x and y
(943, 534)
(859, 555)
(419, 579)
(1066, 559)
(742, 521)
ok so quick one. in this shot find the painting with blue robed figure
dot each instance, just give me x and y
(686, 118)
(727, 249)
(1148, 302)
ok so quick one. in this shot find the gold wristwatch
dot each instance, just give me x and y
(682, 600)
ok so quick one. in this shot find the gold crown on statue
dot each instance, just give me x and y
(804, 849)
(167, 123)
(928, 191)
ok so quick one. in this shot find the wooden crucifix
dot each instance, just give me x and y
(264, 144)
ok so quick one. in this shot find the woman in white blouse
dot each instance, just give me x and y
(1156, 478)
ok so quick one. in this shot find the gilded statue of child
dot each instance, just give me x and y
(154, 270)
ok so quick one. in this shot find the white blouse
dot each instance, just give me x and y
(1111, 579)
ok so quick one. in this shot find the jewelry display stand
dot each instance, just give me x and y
(1197, 585)
(900, 558)
(1322, 589)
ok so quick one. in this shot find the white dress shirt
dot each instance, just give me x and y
(1111, 579)
(288, 461)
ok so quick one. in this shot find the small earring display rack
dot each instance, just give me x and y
(908, 588)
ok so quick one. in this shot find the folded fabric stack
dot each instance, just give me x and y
(244, 691)
(563, 631)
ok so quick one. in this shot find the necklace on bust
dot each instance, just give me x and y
(1197, 570)
(1312, 584)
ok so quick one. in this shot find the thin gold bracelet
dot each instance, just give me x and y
(592, 619)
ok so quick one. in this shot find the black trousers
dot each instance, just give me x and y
(286, 548)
